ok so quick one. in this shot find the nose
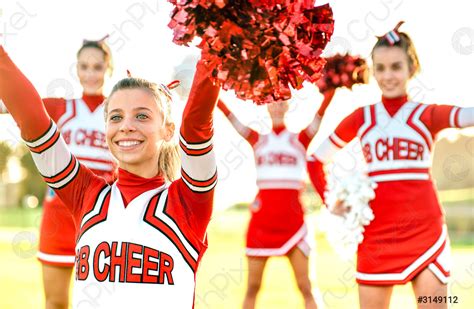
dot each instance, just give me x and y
(127, 125)
(387, 74)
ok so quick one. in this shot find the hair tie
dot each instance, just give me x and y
(104, 38)
(173, 84)
(393, 36)
(129, 75)
(100, 41)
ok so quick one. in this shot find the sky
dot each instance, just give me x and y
(43, 36)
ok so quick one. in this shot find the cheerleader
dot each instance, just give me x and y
(407, 241)
(277, 227)
(81, 123)
(138, 241)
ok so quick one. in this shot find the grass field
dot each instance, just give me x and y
(223, 272)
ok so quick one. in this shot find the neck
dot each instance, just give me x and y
(278, 122)
(98, 92)
(143, 171)
(395, 100)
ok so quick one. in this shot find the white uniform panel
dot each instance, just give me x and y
(127, 225)
(280, 160)
(84, 133)
(398, 147)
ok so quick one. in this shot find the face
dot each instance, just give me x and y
(135, 130)
(391, 70)
(277, 111)
(91, 69)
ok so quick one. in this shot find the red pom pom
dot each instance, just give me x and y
(258, 48)
(343, 71)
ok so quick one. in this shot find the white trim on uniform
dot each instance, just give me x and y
(45, 138)
(405, 273)
(338, 140)
(452, 117)
(68, 114)
(280, 184)
(367, 121)
(159, 213)
(400, 176)
(438, 273)
(197, 146)
(200, 189)
(420, 125)
(97, 206)
(66, 180)
(294, 240)
(55, 258)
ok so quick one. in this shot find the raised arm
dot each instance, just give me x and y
(250, 135)
(21, 100)
(56, 164)
(198, 171)
(306, 136)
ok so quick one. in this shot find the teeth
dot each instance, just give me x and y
(128, 143)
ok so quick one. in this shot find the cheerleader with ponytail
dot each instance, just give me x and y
(407, 239)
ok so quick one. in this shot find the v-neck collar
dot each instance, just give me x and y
(277, 130)
(131, 185)
(93, 101)
(393, 105)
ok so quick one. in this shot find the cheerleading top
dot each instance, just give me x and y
(139, 240)
(280, 156)
(407, 234)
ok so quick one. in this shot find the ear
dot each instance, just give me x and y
(168, 132)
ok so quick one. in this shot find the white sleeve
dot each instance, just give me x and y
(198, 165)
(327, 149)
(465, 117)
(53, 159)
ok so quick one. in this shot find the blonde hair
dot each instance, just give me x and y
(169, 158)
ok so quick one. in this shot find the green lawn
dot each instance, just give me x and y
(223, 272)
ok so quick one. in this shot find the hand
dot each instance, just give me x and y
(339, 209)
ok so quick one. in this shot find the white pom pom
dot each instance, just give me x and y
(355, 192)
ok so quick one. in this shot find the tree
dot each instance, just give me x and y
(5, 153)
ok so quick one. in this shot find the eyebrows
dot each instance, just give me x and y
(119, 110)
(389, 64)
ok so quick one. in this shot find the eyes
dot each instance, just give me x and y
(96, 67)
(397, 66)
(119, 117)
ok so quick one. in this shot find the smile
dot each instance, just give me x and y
(128, 144)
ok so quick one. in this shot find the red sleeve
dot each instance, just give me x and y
(250, 135)
(22, 100)
(317, 176)
(55, 107)
(439, 117)
(59, 168)
(198, 163)
(348, 128)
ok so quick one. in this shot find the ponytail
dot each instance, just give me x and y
(169, 161)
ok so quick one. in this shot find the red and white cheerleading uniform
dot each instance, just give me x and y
(408, 233)
(139, 240)
(277, 218)
(81, 123)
